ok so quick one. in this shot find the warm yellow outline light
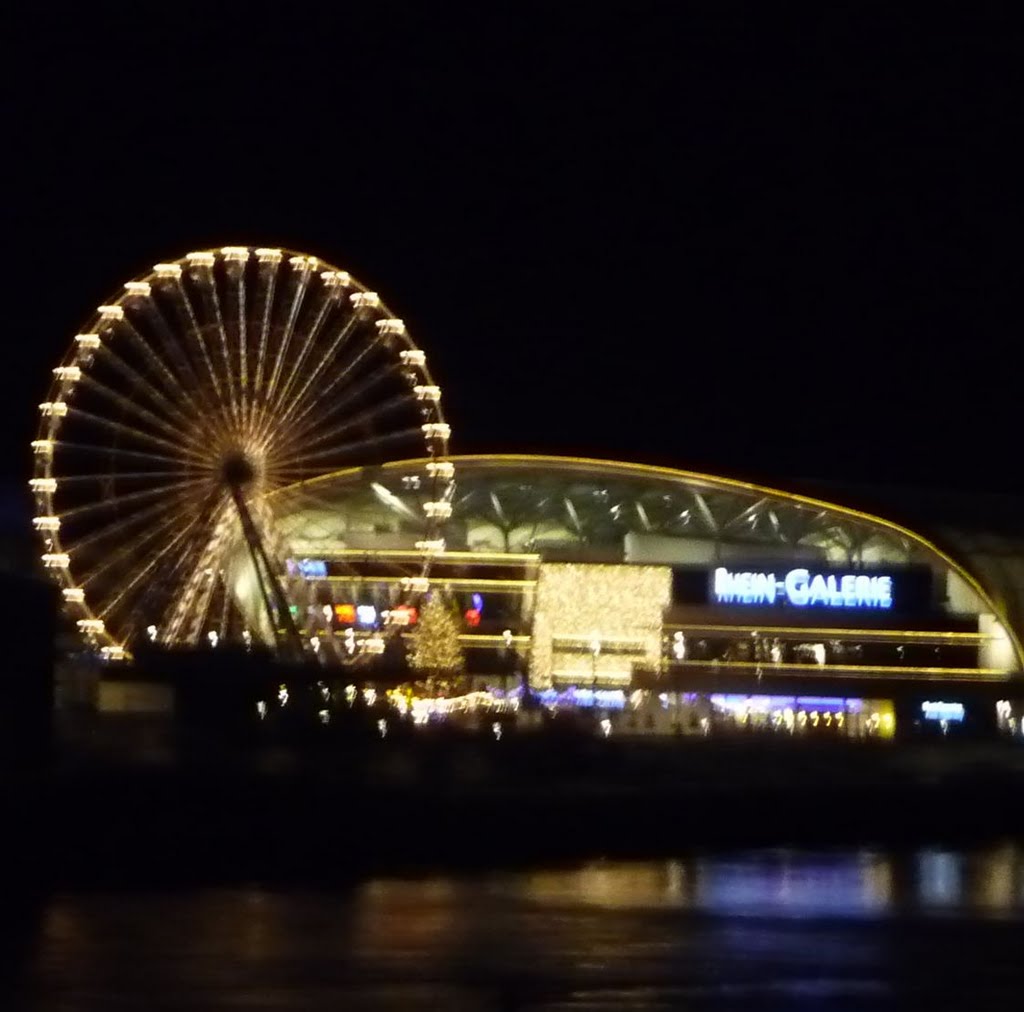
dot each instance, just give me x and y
(848, 670)
(948, 638)
(652, 470)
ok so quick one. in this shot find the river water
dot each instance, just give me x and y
(782, 929)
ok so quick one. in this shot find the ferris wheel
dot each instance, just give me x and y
(192, 400)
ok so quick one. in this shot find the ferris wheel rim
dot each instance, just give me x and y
(59, 552)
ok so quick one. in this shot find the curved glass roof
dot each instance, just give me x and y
(558, 505)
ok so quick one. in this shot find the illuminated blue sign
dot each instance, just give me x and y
(366, 614)
(939, 710)
(802, 588)
(312, 569)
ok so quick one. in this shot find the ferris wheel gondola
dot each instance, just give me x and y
(190, 402)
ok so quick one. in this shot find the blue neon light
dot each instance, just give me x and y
(938, 710)
(802, 588)
(607, 699)
(762, 704)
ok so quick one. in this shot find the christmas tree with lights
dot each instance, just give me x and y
(436, 654)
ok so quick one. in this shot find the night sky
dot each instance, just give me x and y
(772, 248)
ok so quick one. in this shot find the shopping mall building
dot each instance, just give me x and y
(682, 602)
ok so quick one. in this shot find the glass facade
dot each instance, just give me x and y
(600, 576)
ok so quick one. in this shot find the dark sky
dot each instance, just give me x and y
(776, 248)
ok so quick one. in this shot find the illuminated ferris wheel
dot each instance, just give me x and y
(191, 401)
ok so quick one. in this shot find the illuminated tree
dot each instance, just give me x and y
(435, 651)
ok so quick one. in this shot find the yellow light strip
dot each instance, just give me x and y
(441, 557)
(621, 679)
(860, 670)
(588, 638)
(969, 637)
(651, 470)
(486, 639)
(455, 583)
(482, 639)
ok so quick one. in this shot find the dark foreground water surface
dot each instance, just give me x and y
(782, 929)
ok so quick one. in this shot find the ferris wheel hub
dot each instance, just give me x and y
(238, 469)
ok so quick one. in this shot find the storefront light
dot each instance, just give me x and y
(941, 710)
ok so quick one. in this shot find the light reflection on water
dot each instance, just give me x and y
(788, 883)
(764, 930)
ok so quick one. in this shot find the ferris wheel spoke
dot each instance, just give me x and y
(236, 297)
(298, 432)
(302, 283)
(129, 549)
(197, 613)
(174, 385)
(312, 333)
(203, 274)
(110, 502)
(192, 326)
(71, 479)
(139, 411)
(344, 449)
(326, 359)
(154, 559)
(205, 561)
(134, 433)
(366, 418)
(115, 451)
(267, 285)
(193, 388)
(173, 417)
(117, 527)
(302, 442)
(329, 406)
